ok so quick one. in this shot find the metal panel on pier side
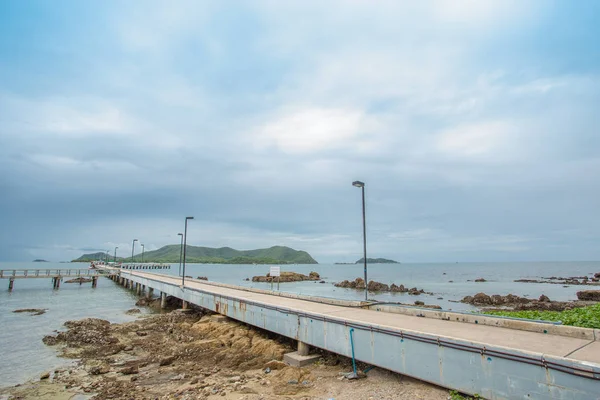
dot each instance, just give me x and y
(492, 371)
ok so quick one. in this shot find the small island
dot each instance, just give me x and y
(376, 261)
(40, 260)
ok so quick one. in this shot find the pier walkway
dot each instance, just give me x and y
(56, 275)
(540, 361)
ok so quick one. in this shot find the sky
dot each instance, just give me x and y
(474, 125)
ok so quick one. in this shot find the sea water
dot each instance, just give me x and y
(24, 356)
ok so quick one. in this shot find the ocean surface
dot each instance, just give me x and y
(24, 356)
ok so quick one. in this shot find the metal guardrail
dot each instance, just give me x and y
(37, 273)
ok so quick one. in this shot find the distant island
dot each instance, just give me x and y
(209, 255)
(40, 260)
(371, 261)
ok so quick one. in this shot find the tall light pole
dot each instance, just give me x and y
(361, 185)
(115, 258)
(142, 253)
(184, 246)
(132, 248)
(180, 252)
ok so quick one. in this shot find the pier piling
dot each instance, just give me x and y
(163, 300)
(94, 282)
(11, 284)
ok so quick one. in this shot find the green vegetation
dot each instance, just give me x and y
(454, 395)
(376, 261)
(223, 255)
(585, 317)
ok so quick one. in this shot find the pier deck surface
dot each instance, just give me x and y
(560, 346)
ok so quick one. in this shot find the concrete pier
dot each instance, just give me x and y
(184, 305)
(496, 362)
(150, 293)
(11, 284)
(163, 300)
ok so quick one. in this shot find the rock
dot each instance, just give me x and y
(589, 295)
(99, 370)
(166, 361)
(597, 275)
(234, 379)
(133, 311)
(287, 277)
(178, 377)
(322, 282)
(377, 287)
(79, 280)
(419, 303)
(482, 298)
(129, 370)
(275, 364)
(394, 288)
(480, 280)
(267, 370)
(202, 278)
(141, 333)
(45, 375)
(33, 311)
(543, 298)
(292, 382)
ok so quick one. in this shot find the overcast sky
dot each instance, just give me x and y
(475, 125)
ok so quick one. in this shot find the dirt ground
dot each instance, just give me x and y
(190, 355)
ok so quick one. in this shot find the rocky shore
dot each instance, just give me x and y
(543, 303)
(194, 355)
(374, 286)
(287, 277)
(592, 280)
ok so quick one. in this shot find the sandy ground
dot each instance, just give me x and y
(189, 355)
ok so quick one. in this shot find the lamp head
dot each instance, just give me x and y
(358, 184)
(189, 217)
(180, 234)
(135, 240)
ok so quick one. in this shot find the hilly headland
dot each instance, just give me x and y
(209, 255)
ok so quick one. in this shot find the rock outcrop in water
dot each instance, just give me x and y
(287, 277)
(374, 286)
(589, 295)
(518, 303)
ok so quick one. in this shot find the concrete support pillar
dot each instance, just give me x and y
(143, 289)
(11, 284)
(138, 288)
(303, 348)
(163, 300)
(94, 281)
(184, 304)
(150, 293)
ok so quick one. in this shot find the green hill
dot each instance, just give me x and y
(376, 261)
(223, 255)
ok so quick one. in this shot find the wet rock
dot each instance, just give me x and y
(419, 303)
(589, 295)
(202, 278)
(480, 280)
(322, 282)
(544, 298)
(399, 289)
(377, 287)
(33, 311)
(79, 280)
(133, 311)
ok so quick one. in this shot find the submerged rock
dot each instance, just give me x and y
(33, 311)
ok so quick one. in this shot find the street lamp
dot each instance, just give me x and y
(142, 253)
(180, 252)
(184, 246)
(115, 258)
(132, 248)
(361, 185)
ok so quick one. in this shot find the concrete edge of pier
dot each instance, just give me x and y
(548, 328)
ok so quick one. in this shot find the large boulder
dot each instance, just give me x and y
(589, 295)
(482, 299)
(378, 287)
(394, 288)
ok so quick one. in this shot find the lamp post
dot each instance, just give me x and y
(361, 185)
(115, 258)
(184, 246)
(142, 253)
(180, 252)
(132, 248)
